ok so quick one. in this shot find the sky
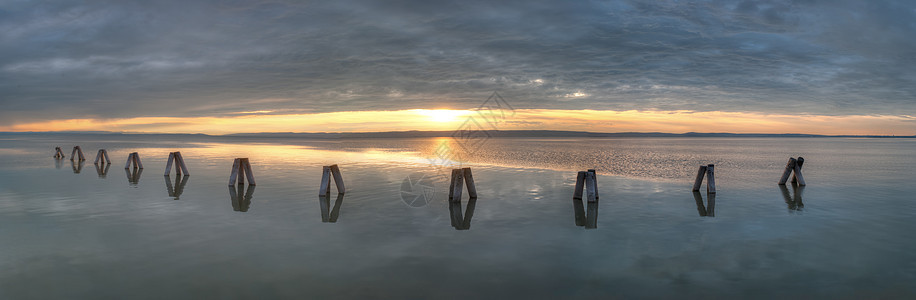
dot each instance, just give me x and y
(822, 67)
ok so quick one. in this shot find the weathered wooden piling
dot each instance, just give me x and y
(699, 181)
(582, 184)
(790, 166)
(798, 178)
(596, 182)
(77, 153)
(133, 158)
(591, 187)
(241, 169)
(58, 153)
(460, 178)
(102, 154)
(179, 164)
(326, 173)
(710, 179)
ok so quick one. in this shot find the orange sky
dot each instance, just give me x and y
(522, 119)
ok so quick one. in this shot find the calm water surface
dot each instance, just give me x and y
(72, 230)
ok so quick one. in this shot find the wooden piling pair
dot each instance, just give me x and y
(58, 153)
(461, 177)
(794, 165)
(102, 154)
(79, 151)
(133, 158)
(709, 172)
(588, 181)
(179, 164)
(241, 169)
(326, 172)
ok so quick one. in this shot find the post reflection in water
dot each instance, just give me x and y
(462, 221)
(133, 177)
(328, 214)
(180, 182)
(709, 210)
(586, 215)
(77, 166)
(58, 163)
(794, 202)
(241, 203)
(102, 171)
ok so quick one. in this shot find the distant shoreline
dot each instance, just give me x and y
(432, 134)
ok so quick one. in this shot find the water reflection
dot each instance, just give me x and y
(102, 170)
(462, 221)
(329, 215)
(58, 163)
(709, 210)
(133, 177)
(180, 182)
(586, 215)
(77, 166)
(241, 203)
(794, 202)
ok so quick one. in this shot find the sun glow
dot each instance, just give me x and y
(522, 119)
(442, 115)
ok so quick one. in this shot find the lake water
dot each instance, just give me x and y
(71, 230)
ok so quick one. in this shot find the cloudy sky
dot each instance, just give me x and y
(244, 66)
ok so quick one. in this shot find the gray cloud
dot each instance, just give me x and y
(112, 59)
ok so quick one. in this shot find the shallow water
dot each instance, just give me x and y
(68, 232)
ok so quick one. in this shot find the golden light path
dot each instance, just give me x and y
(523, 119)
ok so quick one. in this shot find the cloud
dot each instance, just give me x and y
(126, 59)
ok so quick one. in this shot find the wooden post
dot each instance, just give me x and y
(79, 151)
(338, 179)
(457, 185)
(580, 185)
(596, 181)
(234, 173)
(469, 181)
(699, 181)
(325, 187)
(591, 187)
(710, 179)
(790, 166)
(798, 178)
(248, 173)
(102, 154)
(58, 153)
